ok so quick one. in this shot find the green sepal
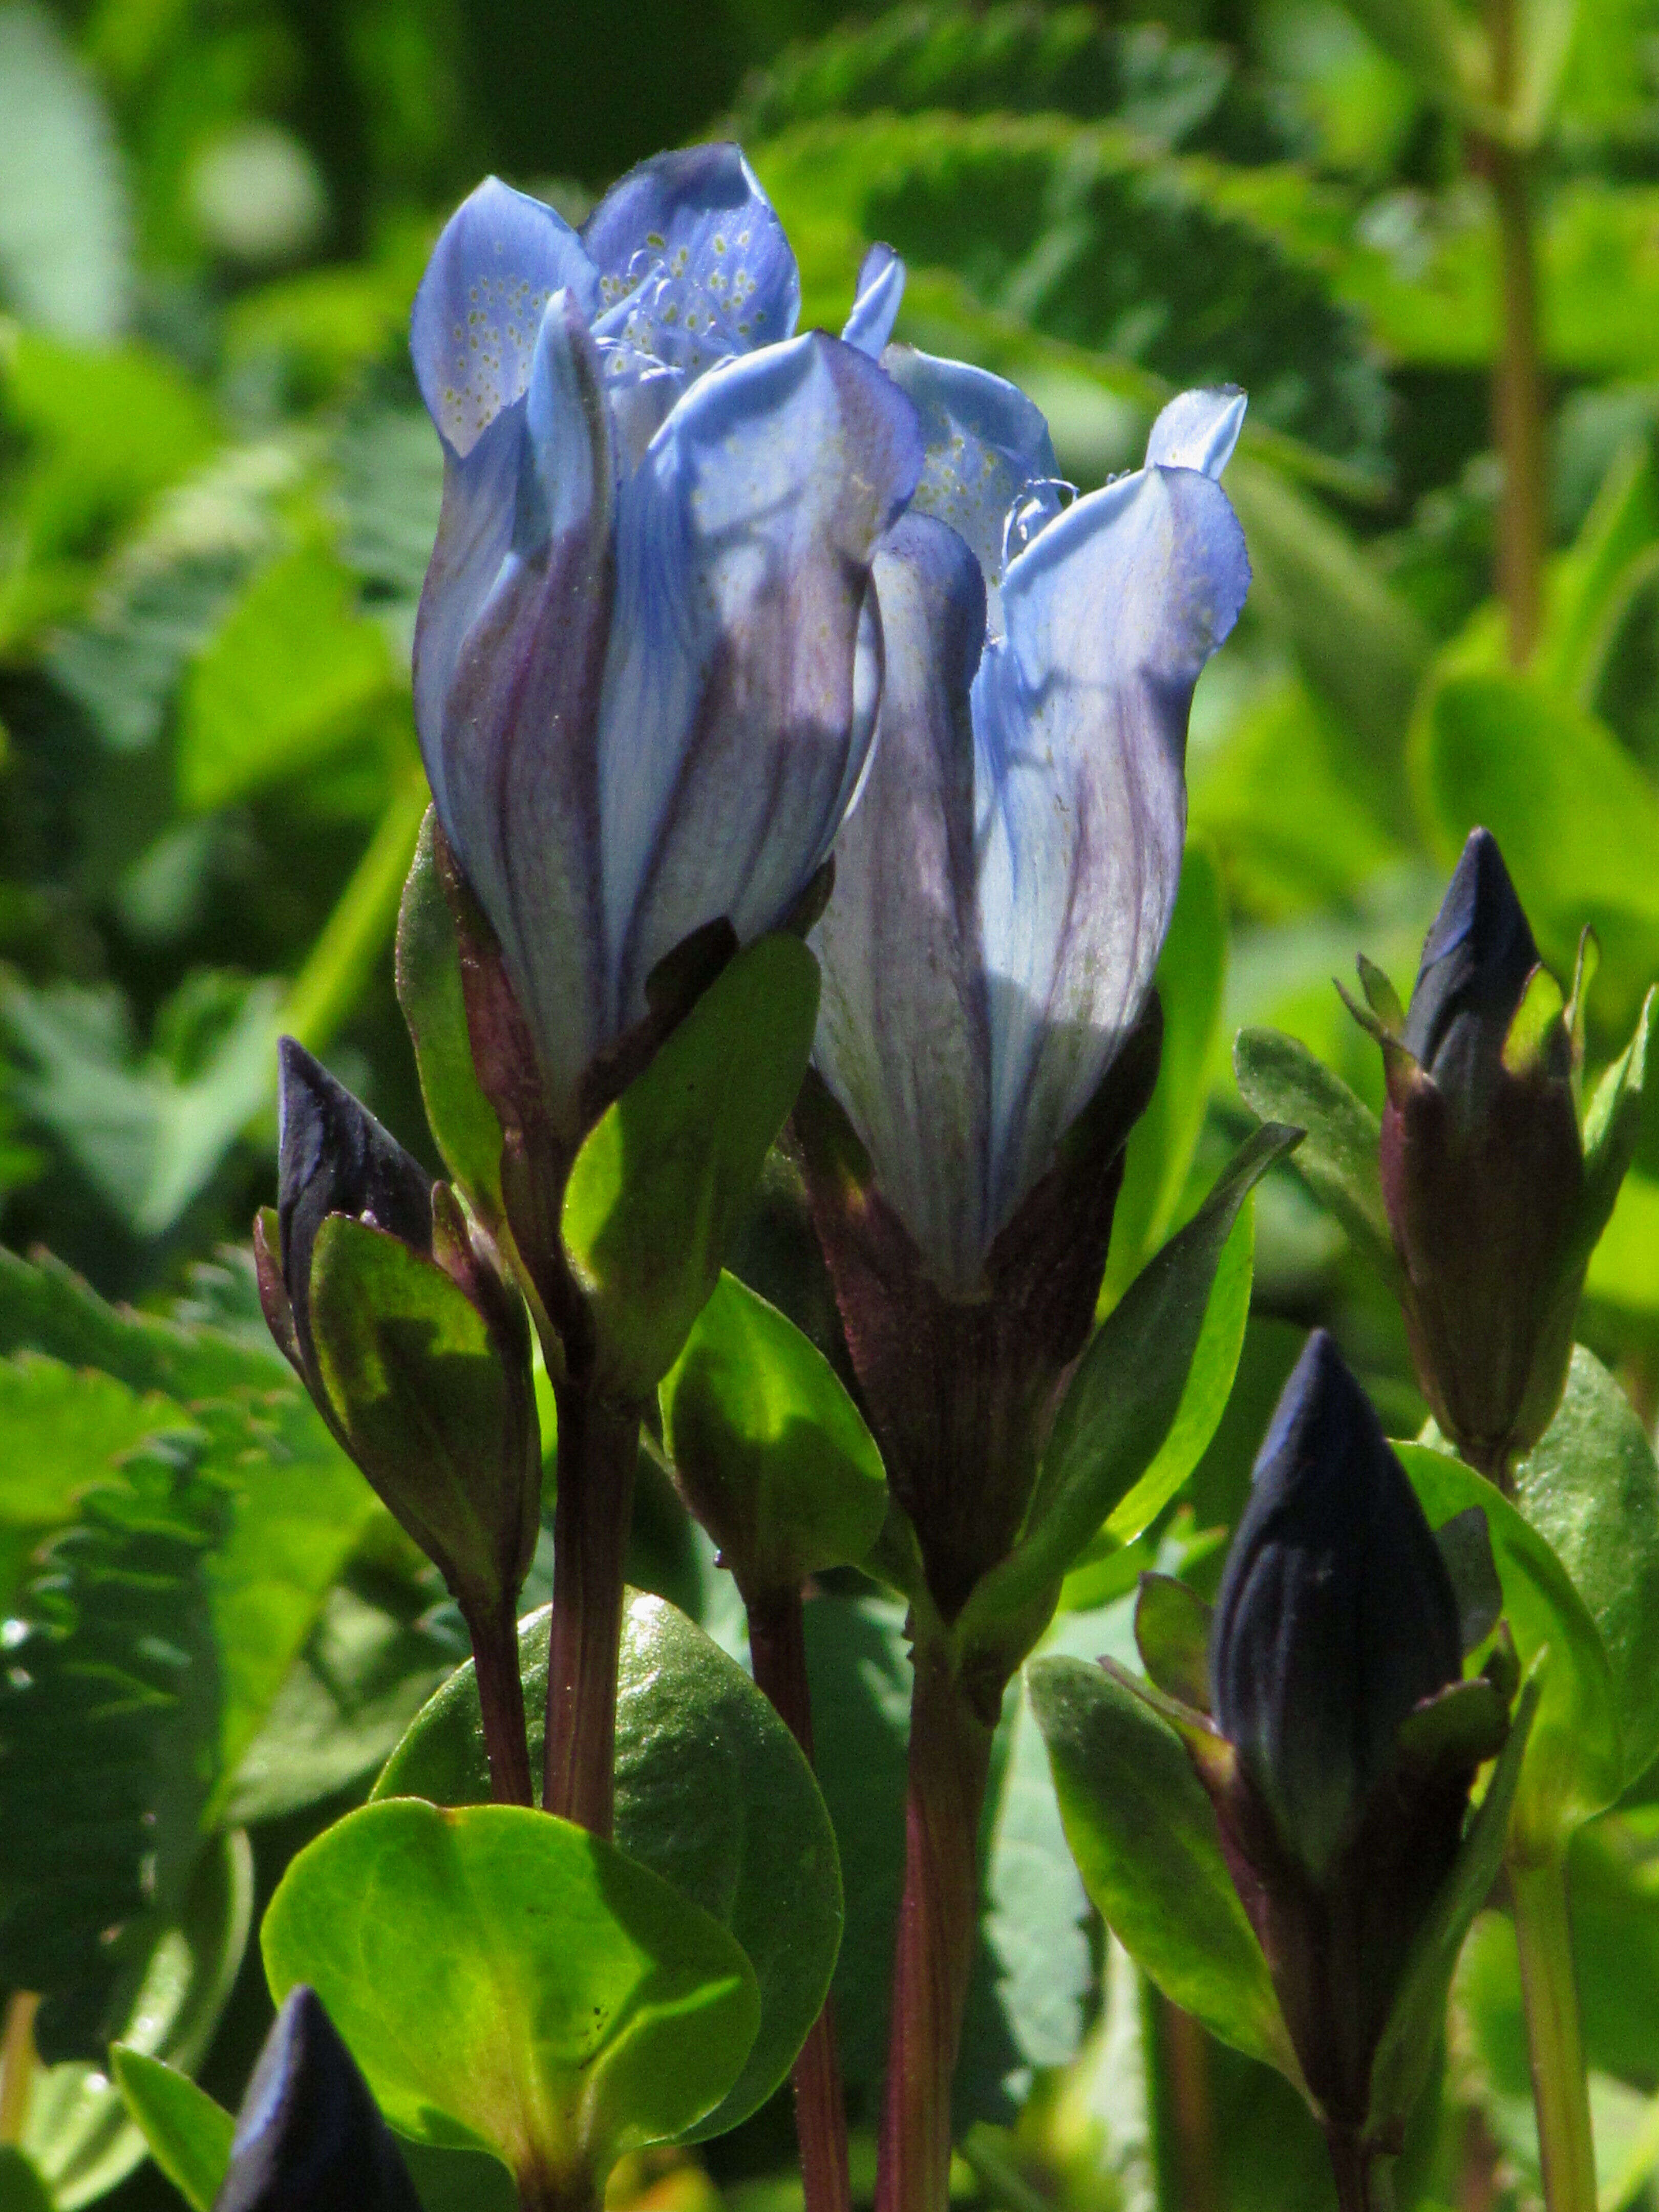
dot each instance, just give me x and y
(1123, 1402)
(1145, 1835)
(1172, 1634)
(1613, 1125)
(510, 1982)
(657, 1186)
(1464, 1543)
(188, 2133)
(1380, 995)
(771, 1453)
(464, 1123)
(1538, 1023)
(427, 1406)
(1465, 1725)
(713, 1793)
(1418, 2020)
(1574, 1766)
(1281, 1080)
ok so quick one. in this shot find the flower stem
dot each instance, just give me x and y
(1361, 2176)
(777, 1649)
(599, 1448)
(494, 1633)
(938, 1922)
(17, 2064)
(1187, 2065)
(1517, 391)
(1559, 2090)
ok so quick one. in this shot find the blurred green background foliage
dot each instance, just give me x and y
(217, 494)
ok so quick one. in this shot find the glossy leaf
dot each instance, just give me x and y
(773, 1454)
(1144, 1833)
(463, 1121)
(1281, 1081)
(188, 2135)
(572, 2006)
(1573, 1764)
(712, 1793)
(655, 1191)
(1590, 1487)
(1125, 1400)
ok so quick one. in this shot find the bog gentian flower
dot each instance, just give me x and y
(1003, 888)
(637, 682)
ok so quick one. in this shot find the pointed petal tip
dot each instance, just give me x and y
(876, 301)
(1197, 429)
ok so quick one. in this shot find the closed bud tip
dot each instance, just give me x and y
(1476, 959)
(309, 2133)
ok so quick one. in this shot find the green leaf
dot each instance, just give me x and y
(463, 1121)
(1443, 53)
(61, 1433)
(79, 2132)
(772, 1452)
(1144, 1833)
(1624, 1268)
(65, 251)
(1407, 2050)
(21, 2188)
(1191, 970)
(188, 2135)
(1573, 1765)
(1281, 1081)
(713, 1794)
(1172, 1633)
(656, 1189)
(1612, 1128)
(573, 2007)
(1590, 1487)
(291, 673)
(1128, 1398)
(1576, 818)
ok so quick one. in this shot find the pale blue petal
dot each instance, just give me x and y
(511, 755)
(876, 303)
(902, 1040)
(737, 710)
(500, 259)
(1080, 721)
(985, 444)
(640, 393)
(694, 265)
(1197, 431)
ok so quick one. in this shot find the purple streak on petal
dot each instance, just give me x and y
(737, 710)
(500, 259)
(516, 775)
(1197, 431)
(694, 265)
(1080, 715)
(875, 302)
(986, 443)
(902, 1038)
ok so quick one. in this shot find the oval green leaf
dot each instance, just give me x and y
(188, 2133)
(713, 1794)
(1144, 1834)
(507, 1980)
(772, 1453)
(1590, 1487)
(1573, 1764)
(656, 1189)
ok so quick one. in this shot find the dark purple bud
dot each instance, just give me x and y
(1336, 1616)
(1483, 1172)
(309, 2136)
(334, 1156)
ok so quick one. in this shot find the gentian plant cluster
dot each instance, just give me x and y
(808, 763)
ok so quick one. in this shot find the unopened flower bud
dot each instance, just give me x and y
(1483, 1171)
(309, 2133)
(1336, 1676)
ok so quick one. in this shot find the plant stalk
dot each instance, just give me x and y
(938, 1919)
(1517, 384)
(1555, 2046)
(17, 2064)
(777, 1649)
(494, 1634)
(1187, 2063)
(598, 1449)
(1361, 2176)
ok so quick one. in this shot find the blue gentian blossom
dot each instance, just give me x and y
(1004, 888)
(638, 684)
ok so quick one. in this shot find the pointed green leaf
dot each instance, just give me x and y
(1590, 1487)
(1143, 1833)
(1573, 1764)
(463, 1121)
(713, 1793)
(571, 2006)
(773, 1454)
(656, 1189)
(1613, 1127)
(1281, 1081)
(189, 2136)
(1172, 1633)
